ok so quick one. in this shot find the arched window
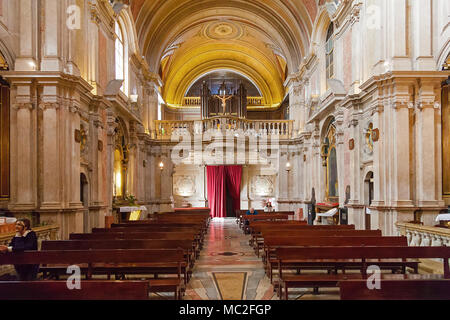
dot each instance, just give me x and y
(121, 49)
(329, 48)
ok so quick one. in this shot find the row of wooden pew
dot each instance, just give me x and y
(164, 248)
(289, 248)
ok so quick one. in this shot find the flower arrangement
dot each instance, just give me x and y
(130, 199)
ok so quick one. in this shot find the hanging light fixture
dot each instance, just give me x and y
(288, 166)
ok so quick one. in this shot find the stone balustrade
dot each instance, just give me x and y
(419, 235)
(43, 233)
(281, 128)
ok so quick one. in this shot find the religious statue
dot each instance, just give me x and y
(224, 99)
(222, 96)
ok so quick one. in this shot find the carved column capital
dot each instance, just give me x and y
(48, 105)
(23, 105)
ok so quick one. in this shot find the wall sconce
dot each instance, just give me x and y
(161, 166)
(288, 166)
(134, 98)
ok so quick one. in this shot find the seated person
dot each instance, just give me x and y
(25, 240)
(251, 212)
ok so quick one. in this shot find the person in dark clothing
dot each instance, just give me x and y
(25, 240)
(252, 211)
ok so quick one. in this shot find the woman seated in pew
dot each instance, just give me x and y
(24, 240)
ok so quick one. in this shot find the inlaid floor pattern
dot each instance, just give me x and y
(228, 269)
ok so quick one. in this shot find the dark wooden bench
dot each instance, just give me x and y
(199, 227)
(271, 243)
(132, 261)
(404, 289)
(187, 245)
(151, 229)
(90, 290)
(242, 215)
(316, 233)
(181, 219)
(259, 231)
(364, 255)
(186, 235)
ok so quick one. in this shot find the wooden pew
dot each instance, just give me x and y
(113, 262)
(242, 215)
(151, 229)
(204, 210)
(187, 245)
(163, 226)
(134, 235)
(249, 219)
(404, 289)
(186, 235)
(181, 219)
(90, 290)
(363, 254)
(273, 242)
(200, 227)
(259, 232)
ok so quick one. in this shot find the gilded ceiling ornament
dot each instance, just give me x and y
(223, 30)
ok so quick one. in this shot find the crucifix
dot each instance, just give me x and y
(224, 100)
(222, 96)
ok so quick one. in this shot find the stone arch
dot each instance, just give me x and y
(126, 20)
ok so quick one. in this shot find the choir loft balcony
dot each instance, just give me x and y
(168, 129)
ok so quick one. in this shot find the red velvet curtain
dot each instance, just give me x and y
(216, 190)
(234, 177)
(219, 179)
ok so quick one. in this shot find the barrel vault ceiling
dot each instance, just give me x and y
(264, 40)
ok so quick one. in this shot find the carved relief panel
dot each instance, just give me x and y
(262, 186)
(184, 186)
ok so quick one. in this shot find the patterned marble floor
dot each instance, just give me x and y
(228, 269)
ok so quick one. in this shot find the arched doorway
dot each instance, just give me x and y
(84, 199)
(368, 198)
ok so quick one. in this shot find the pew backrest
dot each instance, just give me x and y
(364, 253)
(271, 241)
(89, 290)
(396, 290)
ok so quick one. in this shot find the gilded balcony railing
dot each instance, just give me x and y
(197, 101)
(192, 101)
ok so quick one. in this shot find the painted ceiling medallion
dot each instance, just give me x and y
(223, 30)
